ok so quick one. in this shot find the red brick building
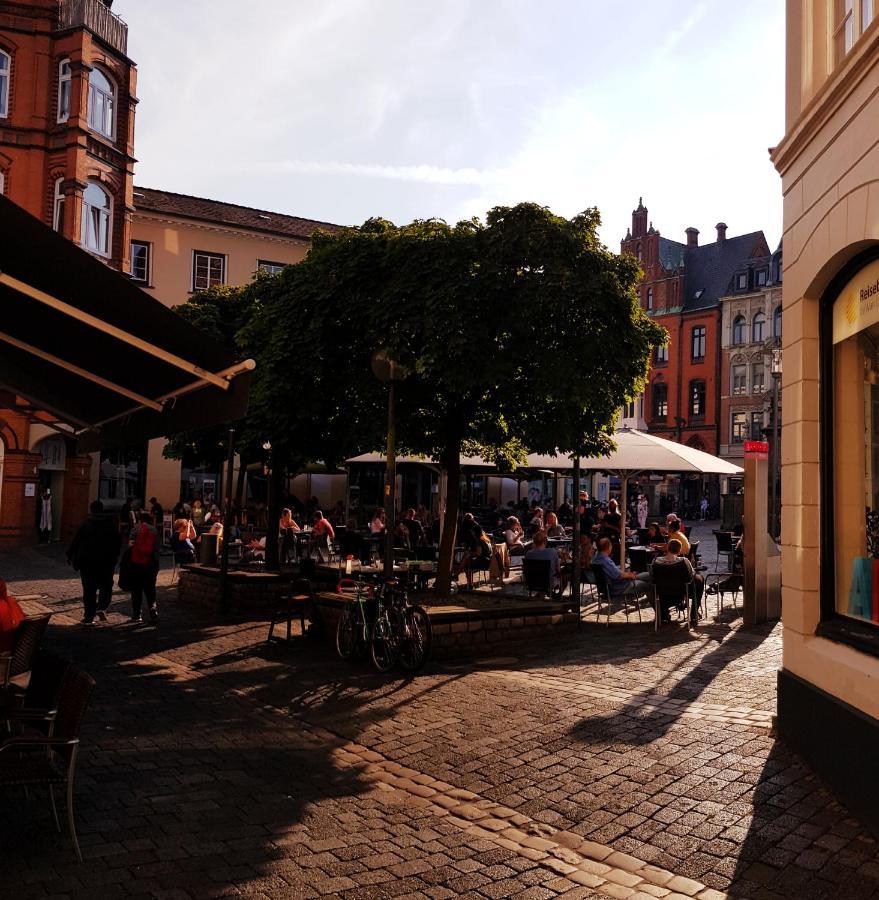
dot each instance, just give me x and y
(67, 101)
(682, 289)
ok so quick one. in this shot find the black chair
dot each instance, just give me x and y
(32, 760)
(353, 544)
(726, 547)
(602, 588)
(15, 666)
(643, 536)
(537, 576)
(300, 598)
(639, 558)
(673, 586)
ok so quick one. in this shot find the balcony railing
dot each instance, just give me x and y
(96, 16)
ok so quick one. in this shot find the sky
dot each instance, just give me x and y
(409, 109)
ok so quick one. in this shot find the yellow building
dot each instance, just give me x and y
(829, 163)
(182, 244)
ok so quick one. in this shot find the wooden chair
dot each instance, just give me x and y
(295, 604)
(35, 759)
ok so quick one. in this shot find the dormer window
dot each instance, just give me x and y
(761, 277)
(102, 104)
(742, 281)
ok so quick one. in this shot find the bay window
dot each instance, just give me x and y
(97, 213)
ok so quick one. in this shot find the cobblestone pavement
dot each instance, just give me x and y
(610, 763)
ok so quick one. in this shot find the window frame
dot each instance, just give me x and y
(208, 253)
(58, 201)
(114, 93)
(660, 355)
(657, 401)
(5, 80)
(648, 300)
(693, 397)
(739, 326)
(777, 322)
(758, 319)
(741, 281)
(733, 388)
(761, 277)
(758, 367)
(737, 435)
(147, 279)
(97, 251)
(703, 342)
(64, 79)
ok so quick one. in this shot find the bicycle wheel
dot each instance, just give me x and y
(385, 642)
(346, 638)
(418, 636)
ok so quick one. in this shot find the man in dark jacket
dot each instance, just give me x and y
(94, 552)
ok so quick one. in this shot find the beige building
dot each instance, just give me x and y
(180, 245)
(829, 163)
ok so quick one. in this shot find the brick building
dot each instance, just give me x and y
(682, 288)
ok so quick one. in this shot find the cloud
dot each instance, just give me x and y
(673, 38)
(424, 173)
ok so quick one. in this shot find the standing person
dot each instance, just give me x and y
(93, 553)
(642, 511)
(46, 517)
(417, 537)
(142, 567)
(322, 533)
(703, 509)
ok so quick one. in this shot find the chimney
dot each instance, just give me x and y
(692, 237)
(721, 232)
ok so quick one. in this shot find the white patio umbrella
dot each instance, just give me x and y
(638, 453)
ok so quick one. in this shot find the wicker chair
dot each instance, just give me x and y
(35, 759)
(16, 665)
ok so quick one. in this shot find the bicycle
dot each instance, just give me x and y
(412, 624)
(367, 622)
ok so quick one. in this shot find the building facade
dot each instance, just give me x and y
(829, 163)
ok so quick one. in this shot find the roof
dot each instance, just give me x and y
(82, 342)
(710, 267)
(182, 205)
(671, 253)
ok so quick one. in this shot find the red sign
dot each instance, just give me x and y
(756, 450)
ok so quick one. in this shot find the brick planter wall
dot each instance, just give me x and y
(248, 591)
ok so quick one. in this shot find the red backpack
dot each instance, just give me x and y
(143, 547)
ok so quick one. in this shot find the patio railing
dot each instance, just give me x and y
(97, 17)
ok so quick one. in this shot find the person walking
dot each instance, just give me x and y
(642, 511)
(703, 509)
(142, 567)
(93, 552)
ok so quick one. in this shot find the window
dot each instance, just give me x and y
(2, 182)
(756, 426)
(64, 84)
(649, 299)
(738, 330)
(758, 378)
(762, 276)
(208, 270)
(102, 104)
(272, 268)
(660, 355)
(5, 69)
(742, 281)
(757, 328)
(140, 262)
(660, 401)
(739, 380)
(776, 322)
(739, 431)
(698, 342)
(844, 30)
(638, 252)
(58, 205)
(96, 219)
(697, 398)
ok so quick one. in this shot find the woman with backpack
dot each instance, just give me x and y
(140, 567)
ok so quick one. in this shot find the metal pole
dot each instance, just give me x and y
(773, 489)
(575, 498)
(227, 520)
(391, 485)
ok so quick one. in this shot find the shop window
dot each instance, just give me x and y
(64, 84)
(697, 399)
(738, 330)
(698, 342)
(5, 69)
(660, 401)
(854, 425)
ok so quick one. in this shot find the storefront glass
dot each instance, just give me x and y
(856, 446)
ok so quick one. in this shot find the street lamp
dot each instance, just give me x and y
(389, 371)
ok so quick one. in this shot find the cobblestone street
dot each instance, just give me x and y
(612, 763)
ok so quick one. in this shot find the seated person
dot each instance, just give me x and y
(255, 550)
(553, 528)
(181, 541)
(417, 537)
(618, 581)
(539, 550)
(11, 615)
(515, 537)
(655, 538)
(676, 532)
(478, 546)
(565, 513)
(670, 558)
(377, 524)
(288, 528)
(536, 523)
(401, 536)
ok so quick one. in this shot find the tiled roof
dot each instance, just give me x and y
(671, 253)
(216, 212)
(709, 269)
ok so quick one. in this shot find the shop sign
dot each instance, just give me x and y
(756, 450)
(857, 306)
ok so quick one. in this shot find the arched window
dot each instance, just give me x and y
(64, 84)
(649, 299)
(757, 328)
(102, 103)
(776, 322)
(58, 205)
(97, 212)
(5, 69)
(738, 330)
(638, 252)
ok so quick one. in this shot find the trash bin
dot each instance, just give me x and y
(207, 554)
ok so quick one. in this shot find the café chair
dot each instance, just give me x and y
(537, 577)
(672, 585)
(295, 603)
(725, 547)
(631, 595)
(15, 666)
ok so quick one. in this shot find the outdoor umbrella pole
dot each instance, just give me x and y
(624, 483)
(575, 575)
(227, 521)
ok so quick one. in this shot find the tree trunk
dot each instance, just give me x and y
(450, 521)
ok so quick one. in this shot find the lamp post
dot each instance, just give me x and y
(775, 372)
(271, 520)
(389, 371)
